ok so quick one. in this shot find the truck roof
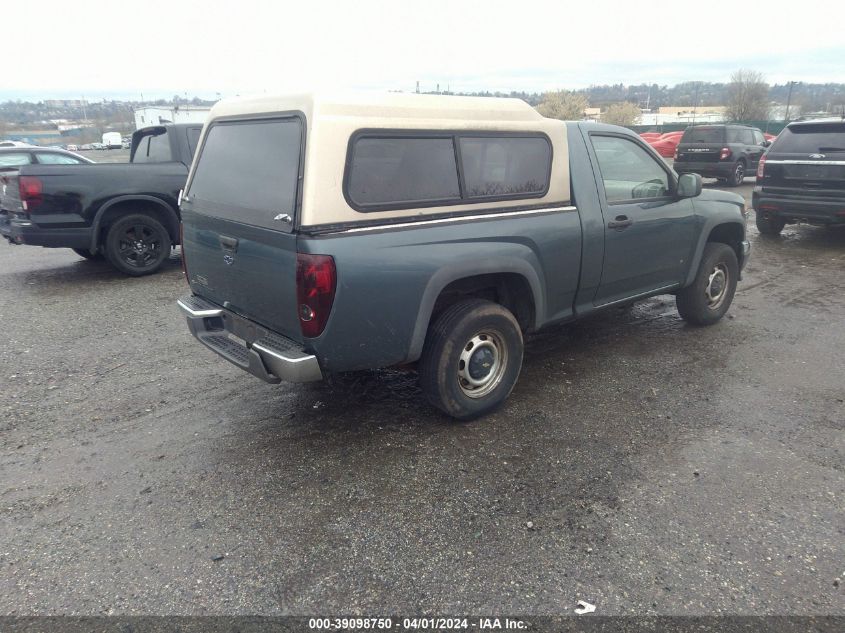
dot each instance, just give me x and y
(331, 120)
(384, 105)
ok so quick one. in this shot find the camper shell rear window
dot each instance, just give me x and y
(403, 169)
(248, 171)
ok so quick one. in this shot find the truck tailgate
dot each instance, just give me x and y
(238, 216)
(247, 269)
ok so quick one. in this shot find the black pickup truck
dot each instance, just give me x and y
(127, 213)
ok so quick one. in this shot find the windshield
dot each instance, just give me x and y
(821, 138)
(703, 134)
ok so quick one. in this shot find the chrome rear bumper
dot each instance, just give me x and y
(262, 353)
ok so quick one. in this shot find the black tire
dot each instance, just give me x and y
(84, 252)
(717, 273)
(738, 174)
(448, 360)
(137, 244)
(768, 225)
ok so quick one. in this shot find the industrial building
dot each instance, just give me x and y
(156, 115)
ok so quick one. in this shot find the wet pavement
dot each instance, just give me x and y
(641, 464)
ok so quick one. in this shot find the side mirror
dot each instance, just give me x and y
(766, 143)
(689, 185)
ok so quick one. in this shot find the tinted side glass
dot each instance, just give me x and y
(403, 170)
(745, 136)
(502, 166)
(629, 172)
(821, 138)
(758, 137)
(49, 158)
(248, 171)
(700, 134)
(14, 159)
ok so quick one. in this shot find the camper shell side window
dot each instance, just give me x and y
(405, 169)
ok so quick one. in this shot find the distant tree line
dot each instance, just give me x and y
(808, 97)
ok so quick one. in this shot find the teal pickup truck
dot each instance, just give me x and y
(337, 233)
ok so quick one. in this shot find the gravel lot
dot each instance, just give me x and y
(642, 465)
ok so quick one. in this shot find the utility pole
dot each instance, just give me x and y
(418, 86)
(788, 101)
(84, 111)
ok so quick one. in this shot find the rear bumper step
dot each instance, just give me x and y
(269, 356)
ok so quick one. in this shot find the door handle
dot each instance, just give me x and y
(228, 243)
(620, 222)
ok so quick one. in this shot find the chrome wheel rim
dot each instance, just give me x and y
(482, 364)
(717, 286)
(739, 174)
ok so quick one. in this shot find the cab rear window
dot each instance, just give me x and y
(248, 171)
(153, 148)
(399, 171)
(822, 138)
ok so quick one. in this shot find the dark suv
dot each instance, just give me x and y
(802, 177)
(726, 152)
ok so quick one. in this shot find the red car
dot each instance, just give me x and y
(667, 143)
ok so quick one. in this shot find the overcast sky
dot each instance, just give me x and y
(120, 49)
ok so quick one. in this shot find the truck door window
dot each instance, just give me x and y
(628, 171)
(504, 166)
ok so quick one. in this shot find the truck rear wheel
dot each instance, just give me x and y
(738, 174)
(137, 244)
(471, 358)
(768, 225)
(710, 295)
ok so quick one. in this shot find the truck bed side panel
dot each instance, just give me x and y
(390, 278)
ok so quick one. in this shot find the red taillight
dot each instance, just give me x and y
(675, 155)
(725, 153)
(761, 166)
(182, 246)
(30, 189)
(316, 281)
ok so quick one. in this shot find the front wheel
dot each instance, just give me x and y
(471, 358)
(137, 244)
(710, 295)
